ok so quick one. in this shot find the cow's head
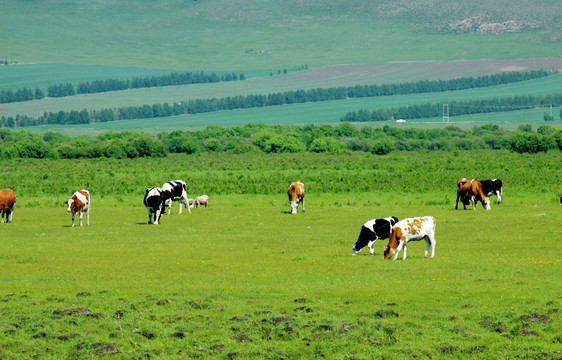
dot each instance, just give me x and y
(388, 252)
(486, 203)
(294, 206)
(70, 203)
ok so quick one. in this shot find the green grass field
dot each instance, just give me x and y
(244, 278)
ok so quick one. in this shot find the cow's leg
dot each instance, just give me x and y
(9, 215)
(2, 214)
(168, 203)
(371, 246)
(433, 243)
(398, 249)
(427, 243)
(72, 218)
(88, 217)
(157, 216)
(457, 204)
(303, 205)
(186, 203)
(80, 217)
(180, 205)
(405, 251)
(499, 195)
(149, 216)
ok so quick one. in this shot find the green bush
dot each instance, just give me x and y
(533, 143)
(35, 149)
(327, 145)
(382, 147)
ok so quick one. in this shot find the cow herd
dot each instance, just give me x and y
(398, 233)
(156, 199)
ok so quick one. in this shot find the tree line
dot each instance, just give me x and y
(271, 139)
(98, 86)
(253, 101)
(456, 108)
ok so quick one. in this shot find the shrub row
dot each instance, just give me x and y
(259, 138)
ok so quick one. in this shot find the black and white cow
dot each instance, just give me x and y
(372, 231)
(175, 191)
(493, 187)
(154, 201)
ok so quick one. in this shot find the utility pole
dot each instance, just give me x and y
(446, 113)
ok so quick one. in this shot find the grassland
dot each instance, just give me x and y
(245, 279)
(265, 34)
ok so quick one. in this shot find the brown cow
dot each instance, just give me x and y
(79, 203)
(470, 191)
(7, 204)
(296, 196)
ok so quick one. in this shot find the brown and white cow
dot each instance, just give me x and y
(411, 229)
(296, 196)
(202, 200)
(7, 204)
(470, 191)
(79, 203)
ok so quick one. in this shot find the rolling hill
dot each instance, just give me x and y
(322, 44)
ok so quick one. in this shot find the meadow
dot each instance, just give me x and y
(245, 279)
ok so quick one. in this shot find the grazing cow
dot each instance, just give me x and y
(296, 196)
(154, 201)
(175, 191)
(372, 231)
(79, 203)
(411, 229)
(7, 204)
(202, 200)
(493, 187)
(470, 190)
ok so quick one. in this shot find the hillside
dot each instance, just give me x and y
(280, 46)
(267, 34)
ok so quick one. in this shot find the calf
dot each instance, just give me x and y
(411, 229)
(154, 202)
(296, 196)
(470, 190)
(7, 204)
(175, 191)
(493, 187)
(372, 231)
(202, 200)
(79, 203)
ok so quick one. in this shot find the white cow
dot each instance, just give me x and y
(411, 229)
(175, 191)
(79, 203)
